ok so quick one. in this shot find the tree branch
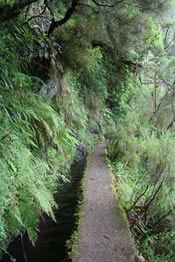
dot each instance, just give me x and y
(88, 6)
(67, 16)
(162, 217)
(146, 207)
(171, 123)
(8, 12)
(107, 5)
(159, 105)
(39, 15)
(137, 199)
(49, 8)
(166, 35)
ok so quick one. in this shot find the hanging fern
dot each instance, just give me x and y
(35, 144)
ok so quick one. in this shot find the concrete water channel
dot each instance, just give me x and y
(51, 244)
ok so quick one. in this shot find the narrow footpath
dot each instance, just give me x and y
(103, 235)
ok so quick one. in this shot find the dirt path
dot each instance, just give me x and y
(103, 235)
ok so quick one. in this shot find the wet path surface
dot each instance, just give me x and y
(51, 245)
(103, 235)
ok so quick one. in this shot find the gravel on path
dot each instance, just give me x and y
(103, 235)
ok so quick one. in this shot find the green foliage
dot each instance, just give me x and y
(103, 47)
(154, 36)
(71, 106)
(160, 247)
(38, 138)
(143, 160)
(35, 145)
(121, 88)
(95, 79)
(9, 2)
(75, 37)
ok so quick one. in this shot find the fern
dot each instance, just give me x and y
(30, 129)
(38, 138)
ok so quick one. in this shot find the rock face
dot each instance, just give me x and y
(103, 235)
(54, 85)
(81, 152)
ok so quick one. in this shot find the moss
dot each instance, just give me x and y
(119, 205)
(73, 242)
(122, 212)
(115, 191)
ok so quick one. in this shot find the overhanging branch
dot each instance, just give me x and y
(107, 5)
(8, 12)
(67, 16)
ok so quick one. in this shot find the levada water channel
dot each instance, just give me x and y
(53, 236)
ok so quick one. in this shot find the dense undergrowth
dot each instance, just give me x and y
(142, 155)
(141, 149)
(36, 147)
(72, 73)
(39, 138)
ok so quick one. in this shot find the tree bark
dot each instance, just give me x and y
(68, 14)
